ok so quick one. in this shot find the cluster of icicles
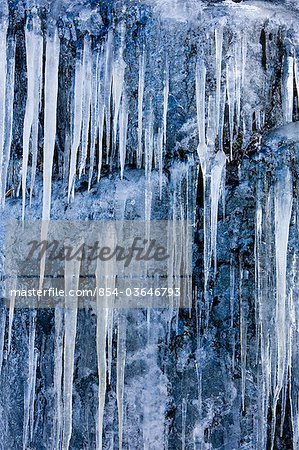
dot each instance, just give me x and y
(100, 108)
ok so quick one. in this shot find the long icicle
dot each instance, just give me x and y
(51, 91)
(94, 129)
(283, 200)
(10, 85)
(58, 355)
(107, 89)
(140, 106)
(217, 172)
(87, 68)
(123, 129)
(50, 119)
(3, 74)
(104, 275)
(77, 123)
(34, 55)
(30, 386)
(120, 376)
(72, 272)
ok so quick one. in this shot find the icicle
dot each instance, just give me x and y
(148, 156)
(32, 399)
(104, 326)
(238, 80)
(110, 341)
(217, 171)
(72, 272)
(101, 129)
(296, 73)
(222, 114)
(140, 107)
(287, 88)
(107, 88)
(58, 352)
(230, 89)
(202, 150)
(102, 321)
(123, 128)
(10, 83)
(2, 334)
(184, 417)
(159, 158)
(95, 88)
(283, 200)
(219, 44)
(232, 301)
(200, 80)
(29, 396)
(118, 76)
(51, 89)
(87, 67)
(3, 73)
(243, 339)
(120, 376)
(165, 103)
(50, 116)
(77, 124)
(11, 314)
(34, 60)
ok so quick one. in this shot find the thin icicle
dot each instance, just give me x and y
(107, 89)
(104, 275)
(287, 88)
(11, 314)
(51, 90)
(50, 117)
(58, 356)
(2, 334)
(148, 161)
(77, 124)
(200, 80)
(296, 73)
(238, 80)
(123, 129)
(165, 102)
(29, 396)
(102, 321)
(120, 374)
(87, 68)
(219, 44)
(140, 107)
(159, 158)
(184, 418)
(3, 74)
(243, 339)
(118, 76)
(72, 272)
(231, 96)
(283, 200)
(101, 130)
(94, 119)
(217, 171)
(10, 83)
(222, 114)
(34, 59)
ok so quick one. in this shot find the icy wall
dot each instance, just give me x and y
(156, 110)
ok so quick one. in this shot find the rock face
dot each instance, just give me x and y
(150, 111)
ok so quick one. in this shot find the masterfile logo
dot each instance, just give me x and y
(119, 263)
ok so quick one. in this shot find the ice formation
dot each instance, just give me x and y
(116, 96)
